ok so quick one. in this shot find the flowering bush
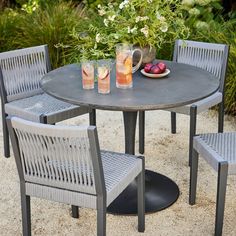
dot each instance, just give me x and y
(199, 13)
(151, 22)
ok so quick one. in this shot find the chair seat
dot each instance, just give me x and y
(217, 147)
(202, 105)
(119, 171)
(42, 106)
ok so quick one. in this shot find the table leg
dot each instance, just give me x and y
(130, 118)
(160, 191)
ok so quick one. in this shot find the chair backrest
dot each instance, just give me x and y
(66, 157)
(208, 56)
(21, 72)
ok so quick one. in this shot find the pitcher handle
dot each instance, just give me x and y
(135, 68)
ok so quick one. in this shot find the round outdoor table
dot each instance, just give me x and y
(184, 85)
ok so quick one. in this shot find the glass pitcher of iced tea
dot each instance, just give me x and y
(124, 65)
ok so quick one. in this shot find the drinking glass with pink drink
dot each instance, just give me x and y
(87, 68)
(103, 72)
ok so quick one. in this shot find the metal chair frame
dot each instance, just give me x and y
(23, 59)
(219, 150)
(48, 175)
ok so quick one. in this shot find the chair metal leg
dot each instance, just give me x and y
(193, 178)
(92, 117)
(25, 208)
(141, 131)
(192, 130)
(173, 122)
(6, 140)
(221, 118)
(141, 199)
(101, 216)
(75, 211)
(220, 200)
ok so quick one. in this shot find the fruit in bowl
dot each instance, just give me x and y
(157, 68)
(148, 67)
(162, 66)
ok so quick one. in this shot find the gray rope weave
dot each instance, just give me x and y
(22, 70)
(119, 170)
(31, 108)
(202, 55)
(57, 164)
(217, 147)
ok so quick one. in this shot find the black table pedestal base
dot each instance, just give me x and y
(161, 192)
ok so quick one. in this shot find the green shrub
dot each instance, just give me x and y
(224, 32)
(199, 13)
(9, 25)
(49, 25)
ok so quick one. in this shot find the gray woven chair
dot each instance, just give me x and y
(64, 164)
(219, 150)
(208, 56)
(21, 95)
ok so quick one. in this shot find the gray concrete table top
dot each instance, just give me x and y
(184, 85)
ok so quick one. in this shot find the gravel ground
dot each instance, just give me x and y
(165, 153)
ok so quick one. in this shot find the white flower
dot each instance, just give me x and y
(188, 3)
(105, 21)
(123, 4)
(98, 38)
(194, 11)
(202, 2)
(101, 12)
(116, 36)
(131, 31)
(164, 27)
(144, 18)
(141, 18)
(99, 6)
(137, 19)
(145, 30)
(162, 18)
(110, 5)
(158, 15)
(202, 25)
(111, 18)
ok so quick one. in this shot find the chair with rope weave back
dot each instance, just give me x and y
(219, 150)
(21, 95)
(208, 56)
(65, 164)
